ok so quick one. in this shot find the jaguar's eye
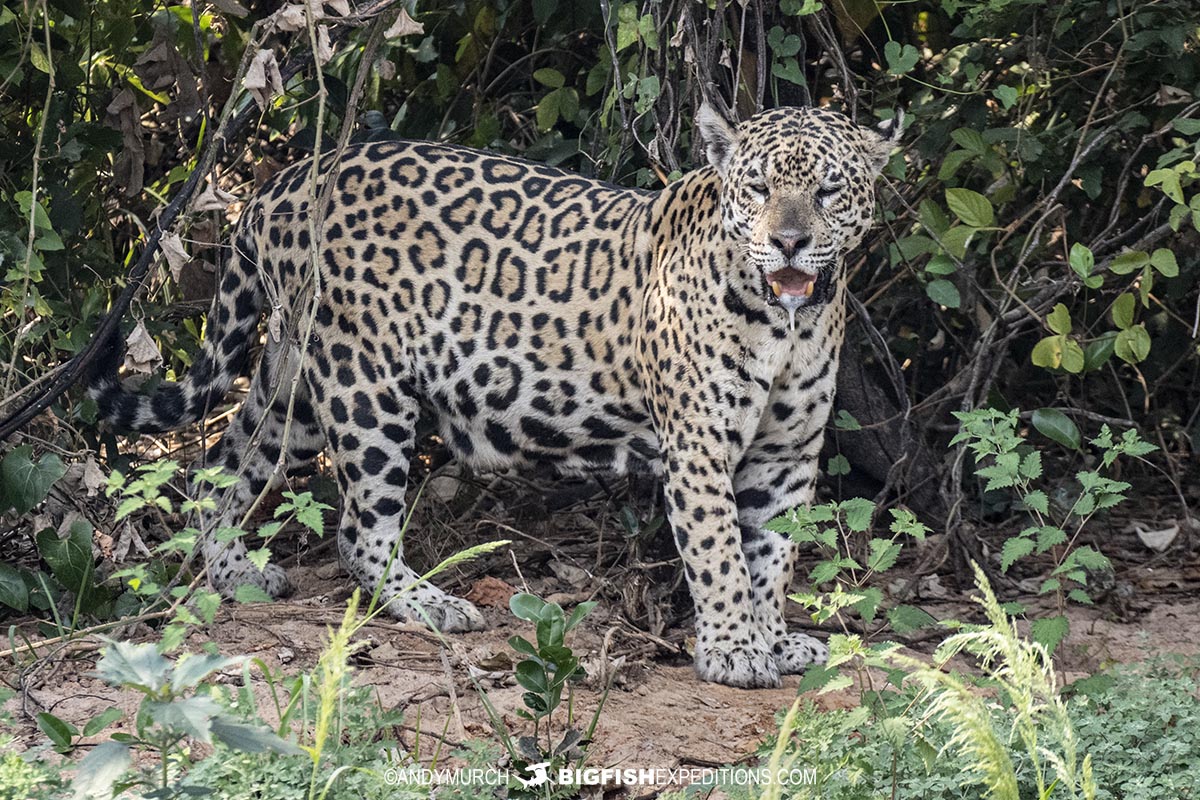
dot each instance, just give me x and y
(826, 192)
(759, 189)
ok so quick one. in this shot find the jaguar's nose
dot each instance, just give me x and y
(790, 241)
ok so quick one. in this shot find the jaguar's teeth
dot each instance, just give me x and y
(777, 288)
(808, 290)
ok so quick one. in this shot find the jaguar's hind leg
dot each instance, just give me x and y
(370, 430)
(250, 450)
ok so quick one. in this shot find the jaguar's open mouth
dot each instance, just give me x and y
(790, 285)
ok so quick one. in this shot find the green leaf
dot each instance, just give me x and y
(957, 238)
(1015, 547)
(906, 619)
(1037, 501)
(1132, 344)
(549, 77)
(526, 606)
(100, 769)
(817, 676)
(189, 716)
(135, 666)
(953, 162)
(1129, 262)
(1007, 95)
(868, 604)
(548, 110)
(1164, 261)
(579, 612)
(858, 511)
(627, 25)
(1049, 632)
(883, 554)
(70, 559)
(944, 293)
(250, 738)
(900, 59)
(845, 421)
(838, 465)
(1059, 320)
(1054, 424)
(971, 207)
(1050, 536)
(25, 483)
(1122, 310)
(823, 572)
(192, 669)
(58, 731)
(102, 720)
(1048, 352)
(941, 264)
(13, 591)
(249, 593)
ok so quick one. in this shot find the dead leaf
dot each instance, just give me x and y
(212, 199)
(1156, 540)
(172, 249)
(386, 68)
(493, 592)
(324, 48)
(275, 324)
(342, 7)
(125, 116)
(93, 479)
(263, 79)
(403, 26)
(291, 18)
(141, 353)
(231, 7)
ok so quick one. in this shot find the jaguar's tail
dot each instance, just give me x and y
(231, 322)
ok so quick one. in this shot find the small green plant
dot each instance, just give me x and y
(1008, 461)
(175, 710)
(549, 668)
(850, 561)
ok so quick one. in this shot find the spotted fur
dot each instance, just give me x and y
(545, 318)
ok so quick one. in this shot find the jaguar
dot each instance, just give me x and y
(544, 319)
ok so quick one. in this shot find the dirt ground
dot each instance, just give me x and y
(657, 714)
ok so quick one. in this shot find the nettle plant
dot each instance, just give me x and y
(1007, 461)
(151, 488)
(850, 561)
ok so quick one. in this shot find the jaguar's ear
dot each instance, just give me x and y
(720, 137)
(880, 141)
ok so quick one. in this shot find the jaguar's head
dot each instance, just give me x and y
(797, 192)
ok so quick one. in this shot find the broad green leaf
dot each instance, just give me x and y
(526, 606)
(1054, 424)
(1050, 536)
(971, 207)
(1132, 344)
(100, 769)
(1164, 261)
(1122, 311)
(883, 554)
(944, 293)
(1059, 319)
(1007, 95)
(900, 59)
(59, 731)
(13, 591)
(23, 482)
(1129, 262)
(548, 110)
(102, 720)
(845, 421)
(1037, 501)
(1048, 352)
(136, 666)
(190, 670)
(957, 239)
(838, 465)
(551, 78)
(247, 738)
(70, 559)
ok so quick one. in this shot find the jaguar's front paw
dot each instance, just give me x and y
(272, 579)
(797, 651)
(440, 611)
(747, 666)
